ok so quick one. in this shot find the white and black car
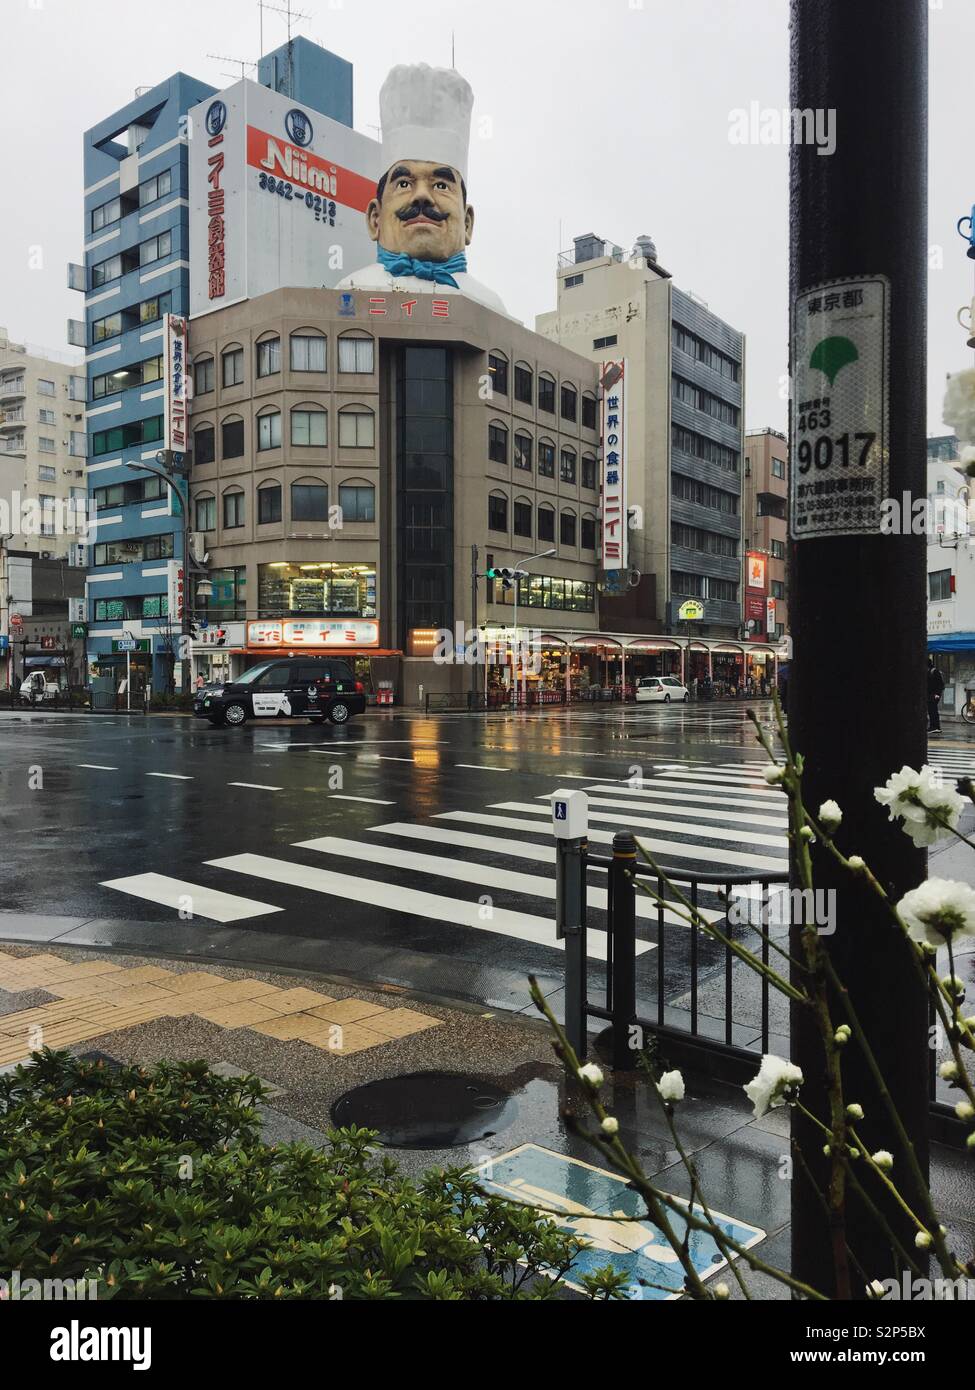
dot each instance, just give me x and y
(298, 687)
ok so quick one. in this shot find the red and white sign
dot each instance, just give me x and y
(16, 622)
(314, 633)
(756, 570)
(614, 527)
(770, 616)
(174, 364)
(755, 595)
(309, 172)
(175, 590)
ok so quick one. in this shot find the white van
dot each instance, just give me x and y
(38, 687)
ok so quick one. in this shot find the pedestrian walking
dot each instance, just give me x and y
(936, 688)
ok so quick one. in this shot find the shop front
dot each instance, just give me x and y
(355, 641)
(728, 671)
(649, 657)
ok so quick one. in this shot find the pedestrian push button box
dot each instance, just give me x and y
(570, 815)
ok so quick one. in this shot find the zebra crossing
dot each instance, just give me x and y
(492, 870)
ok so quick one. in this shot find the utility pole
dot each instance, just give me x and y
(474, 576)
(856, 706)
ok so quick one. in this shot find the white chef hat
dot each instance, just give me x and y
(426, 114)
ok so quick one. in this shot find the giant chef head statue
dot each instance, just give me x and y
(420, 218)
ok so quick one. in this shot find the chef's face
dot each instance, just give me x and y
(422, 211)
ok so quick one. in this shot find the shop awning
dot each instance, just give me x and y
(45, 661)
(952, 642)
(262, 653)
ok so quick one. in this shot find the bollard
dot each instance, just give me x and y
(570, 825)
(622, 925)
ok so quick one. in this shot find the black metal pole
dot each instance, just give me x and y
(570, 919)
(857, 601)
(623, 928)
(474, 664)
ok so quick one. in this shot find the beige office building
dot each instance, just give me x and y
(42, 446)
(348, 452)
(765, 501)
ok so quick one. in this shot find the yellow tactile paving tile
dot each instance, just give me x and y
(345, 1010)
(229, 992)
(288, 1026)
(293, 1001)
(238, 1015)
(349, 1038)
(400, 1023)
(191, 981)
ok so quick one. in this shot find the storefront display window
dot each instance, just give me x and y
(329, 590)
(229, 598)
(570, 595)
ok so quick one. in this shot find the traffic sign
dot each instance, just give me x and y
(16, 622)
(130, 644)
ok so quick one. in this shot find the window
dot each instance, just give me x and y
(700, 351)
(546, 524)
(704, 401)
(567, 528)
(497, 443)
(708, 542)
(357, 501)
(778, 588)
(47, 512)
(571, 281)
(497, 512)
(268, 504)
(109, 610)
(778, 468)
(156, 248)
(702, 495)
(109, 327)
(771, 505)
(114, 268)
(567, 466)
(204, 447)
(498, 368)
(589, 533)
(153, 189)
(127, 436)
(125, 494)
(688, 442)
(523, 451)
(269, 357)
(546, 459)
(151, 310)
(332, 590)
(307, 352)
(687, 585)
(232, 439)
(356, 356)
(233, 367)
(571, 595)
(46, 417)
(233, 510)
(589, 472)
(309, 428)
(269, 431)
(106, 214)
(47, 474)
(357, 425)
(546, 394)
(724, 589)
(777, 550)
(122, 378)
(135, 550)
(203, 376)
(589, 412)
(522, 521)
(309, 502)
(46, 446)
(609, 341)
(570, 399)
(206, 514)
(46, 388)
(523, 384)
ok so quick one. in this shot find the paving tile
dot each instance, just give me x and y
(400, 1023)
(345, 1010)
(355, 1038)
(286, 1026)
(82, 969)
(138, 994)
(299, 1000)
(192, 980)
(239, 1015)
(233, 992)
(147, 974)
(13, 1023)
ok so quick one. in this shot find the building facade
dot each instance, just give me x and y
(685, 399)
(765, 523)
(349, 451)
(43, 491)
(951, 570)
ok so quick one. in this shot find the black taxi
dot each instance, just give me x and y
(302, 687)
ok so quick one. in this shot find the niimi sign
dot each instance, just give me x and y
(614, 537)
(175, 436)
(316, 633)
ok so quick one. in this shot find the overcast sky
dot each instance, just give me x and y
(609, 116)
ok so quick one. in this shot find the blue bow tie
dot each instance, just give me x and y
(442, 272)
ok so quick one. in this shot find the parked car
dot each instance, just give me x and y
(303, 687)
(664, 689)
(38, 687)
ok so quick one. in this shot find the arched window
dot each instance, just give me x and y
(357, 354)
(268, 355)
(567, 528)
(546, 393)
(521, 519)
(232, 358)
(203, 376)
(357, 501)
(205, 512)
(268, 503)
(589, 472)
(588, 532)
(309, 500)
(524, 383)
(524, 445)
(497, 442)
(497, 512)
(308, 350)
(203, 444)
(498, 372)
(589, 411)
(357, 426)
(567, 466)
(232, 437)
(570, 402)
(233, 508)
(309, 426)
(546, 524)
(269, 429)
(546, 458)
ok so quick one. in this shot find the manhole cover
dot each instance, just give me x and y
(427, 1110)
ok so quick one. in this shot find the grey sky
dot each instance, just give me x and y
(590, 115)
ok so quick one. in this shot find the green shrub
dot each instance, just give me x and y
(157, 1184)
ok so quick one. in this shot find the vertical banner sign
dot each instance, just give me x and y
(770, 617)
(614, 530)
(839, 444)
(215, 121)
(175, 432)
(176, 590)
(756, 592)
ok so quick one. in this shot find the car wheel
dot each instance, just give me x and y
(339, 713)
(666, 699)
(235, 715)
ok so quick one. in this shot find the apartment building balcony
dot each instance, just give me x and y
(15, 389)
(11, 419)
(17, 447)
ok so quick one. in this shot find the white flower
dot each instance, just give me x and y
(671, 1086)
(938, 910)
(773, 774)
(954, 987)
(721, 1291)
(970, 1141)
(856, 862)
(830, 815)
(591, 1073)
(611, 1125)
(948, 1071)
(876, 1289)
(772, 1086)
(854, 1112)
(806, 833)
(964, 1110)
(958, 410)
(883, 1159)
(923, 802)
(923, 1240)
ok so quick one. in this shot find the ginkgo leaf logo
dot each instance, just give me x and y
(832, 355)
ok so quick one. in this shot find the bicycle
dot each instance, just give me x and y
(968, 708)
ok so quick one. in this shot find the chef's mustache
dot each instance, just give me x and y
(421, 209)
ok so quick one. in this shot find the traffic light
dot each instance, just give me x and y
(508, 577)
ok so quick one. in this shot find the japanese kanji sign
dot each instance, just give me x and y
(841, 368)
(614, 531)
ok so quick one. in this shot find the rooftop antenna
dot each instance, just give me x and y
(237, 62)
(292, 18)
(453, 50)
